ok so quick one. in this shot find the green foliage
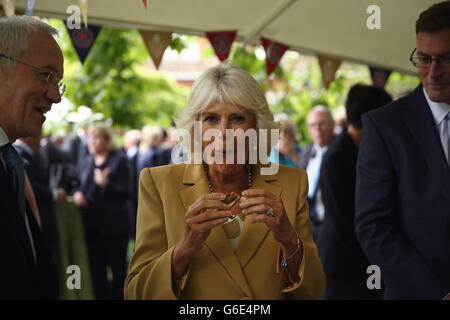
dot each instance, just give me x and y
(111, 82)
(296, 85)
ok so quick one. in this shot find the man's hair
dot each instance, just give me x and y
(363, 98)
(321, 108)
(15, 33)
(435, 18)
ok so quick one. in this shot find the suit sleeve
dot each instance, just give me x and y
(339, 201)
(311, 274)
(377, 224)
(149, 275)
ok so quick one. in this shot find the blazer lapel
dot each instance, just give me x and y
(253, 234)
(421, 124)
(217, 241)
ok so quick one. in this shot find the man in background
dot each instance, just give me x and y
(321, 129)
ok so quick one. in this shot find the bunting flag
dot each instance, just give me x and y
(83, 39)
(84, 11)
(9, 6)
(221, 42)
(328, 67)
(145, 4)
(274, 52)
(379, 76)
(30, 7)
(156, 43)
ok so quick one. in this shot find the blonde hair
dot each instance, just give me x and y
(289, 125)
(107, 133)
(226, 84)
(149, 135)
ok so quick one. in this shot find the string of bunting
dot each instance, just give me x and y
(328, 68)
(9, 6)
(274, 53)
(156, 44)
(83, 39)
(221, 42)
(30, 7)
(379, 76)
(84, 11)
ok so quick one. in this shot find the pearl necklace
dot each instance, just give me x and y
(208, 178)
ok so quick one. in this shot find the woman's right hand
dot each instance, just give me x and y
(201, 217)
(79, 199)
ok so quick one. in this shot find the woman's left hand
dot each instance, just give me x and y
(259, 202)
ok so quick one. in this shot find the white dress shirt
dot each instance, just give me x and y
(439, 111)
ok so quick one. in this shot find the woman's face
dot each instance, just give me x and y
(286, 142)
(222, 117)
(97, 143)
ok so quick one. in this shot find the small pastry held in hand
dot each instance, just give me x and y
(231, 199)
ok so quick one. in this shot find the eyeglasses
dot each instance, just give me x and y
(321, 124)
(48, 76)
(423, 61)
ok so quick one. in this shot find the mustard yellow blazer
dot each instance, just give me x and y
(217, 272)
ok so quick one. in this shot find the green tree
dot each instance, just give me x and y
(112, 82)
(296, 84)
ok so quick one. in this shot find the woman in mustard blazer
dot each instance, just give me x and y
(191, 243)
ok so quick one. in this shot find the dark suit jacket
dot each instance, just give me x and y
(107, 212)
(22, 278)
(339, 248)
(35, 167)
(403, 199)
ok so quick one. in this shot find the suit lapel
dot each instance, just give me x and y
(217, 241)
(421, 124)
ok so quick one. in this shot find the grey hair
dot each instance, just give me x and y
(15, 33)
(322, 108)
(227, 84)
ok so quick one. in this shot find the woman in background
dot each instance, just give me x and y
(288, 148)
(102, 195)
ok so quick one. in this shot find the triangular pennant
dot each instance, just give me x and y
(9, 6)
(379, 76)
(30, 7)
(83, 39)
(221, 42)
(156, 43)
(84, 11)
(274, 52)
(328, 67)
(145, 4)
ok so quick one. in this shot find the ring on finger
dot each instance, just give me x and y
(270, 212)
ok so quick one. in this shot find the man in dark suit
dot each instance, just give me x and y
(403, 175)
(343, 260)
(321, 129)
(31, 66)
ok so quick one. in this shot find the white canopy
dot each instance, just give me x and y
(331, 28)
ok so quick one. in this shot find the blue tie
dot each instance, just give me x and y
(14, 166)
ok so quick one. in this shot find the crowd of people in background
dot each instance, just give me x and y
(381, 200)
(90, 169)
